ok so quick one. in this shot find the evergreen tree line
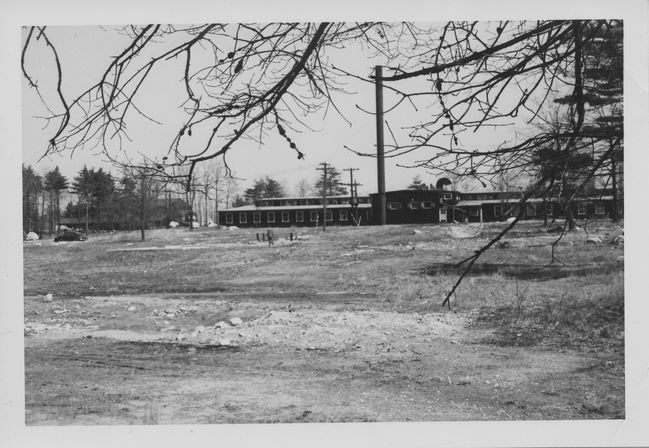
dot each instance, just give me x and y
(102, 203)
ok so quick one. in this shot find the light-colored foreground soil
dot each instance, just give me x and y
(307, 364)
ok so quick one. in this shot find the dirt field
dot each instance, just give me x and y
(338, 326)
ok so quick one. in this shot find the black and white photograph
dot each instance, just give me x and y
(342, 221)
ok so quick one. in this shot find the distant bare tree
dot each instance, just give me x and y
(303, 188)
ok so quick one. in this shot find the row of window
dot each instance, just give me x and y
(499, 210)
(310, 201)
(412, 205)
(285, 217)
(417, 205)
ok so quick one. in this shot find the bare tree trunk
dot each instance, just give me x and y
(545, 210)
(614, 215)
(216, 201)
(206, 203)
(142, 206)
(87, 205)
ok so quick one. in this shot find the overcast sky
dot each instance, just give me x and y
(86, 51)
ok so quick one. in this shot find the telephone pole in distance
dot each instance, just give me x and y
(323, 167)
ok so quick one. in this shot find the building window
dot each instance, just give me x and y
(394, 205)
(599, 208)
(448, 196)
(256, 217)
(581, 209)
(531, 210)
(243, 218)
(229, 219)
(413, 205)
(474, 211)
(314, 216)
(343, 215)
(426, 204)
(270, 217)
(498, 210)
(285, 216)
(299, 216)
(329, 215)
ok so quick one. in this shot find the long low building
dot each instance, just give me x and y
(299, 212)
(412, 207)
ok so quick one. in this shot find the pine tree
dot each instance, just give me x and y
(417, 184)
(265, 187)
(334, 185)
(55, 182)
(32, 188)
(83, 187)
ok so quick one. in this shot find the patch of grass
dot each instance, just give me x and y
(150, 414)
(584, 319)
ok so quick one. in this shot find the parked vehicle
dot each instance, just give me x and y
(70, 235)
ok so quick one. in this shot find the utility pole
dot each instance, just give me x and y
(216, 200)
(353, 193)
(324, 166)
(380, 160)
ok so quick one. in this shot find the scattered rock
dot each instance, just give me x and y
(48, 297)
(235, 321)
(225, 342)
(594, 240)
(61, 311)
(233, 228)
(131, 308)
(618, 240)
(199, 329)
(180, 337)
(503, 245)
(220, 325)
(417, 232)
(31, 236)
(173, 224)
